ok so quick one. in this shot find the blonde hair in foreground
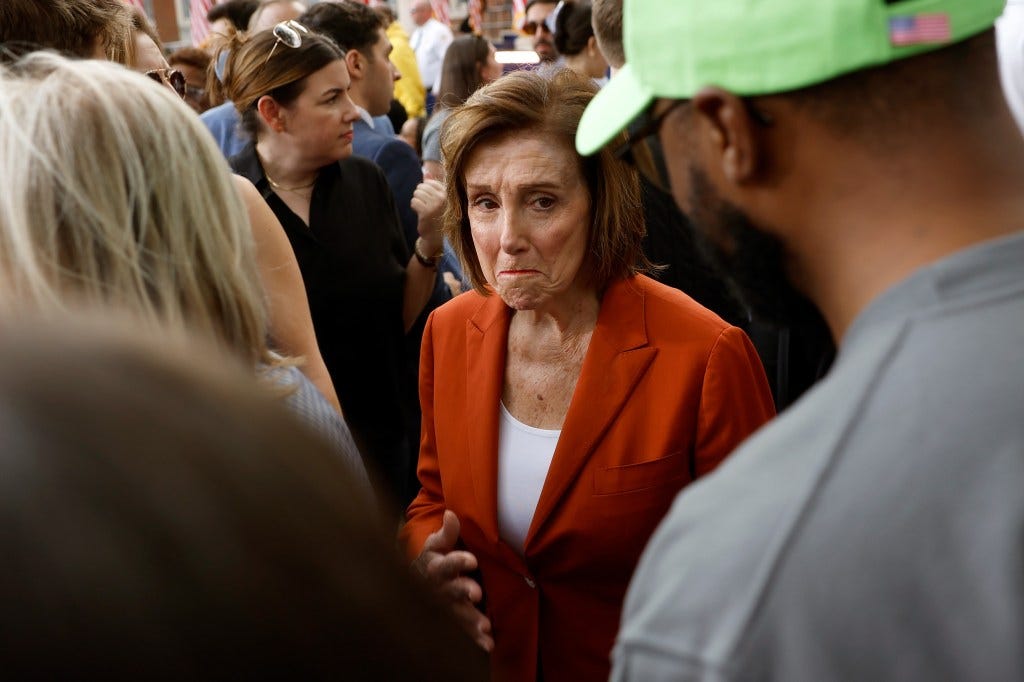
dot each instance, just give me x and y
(116, 196)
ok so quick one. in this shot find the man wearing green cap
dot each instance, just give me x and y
(857, 154)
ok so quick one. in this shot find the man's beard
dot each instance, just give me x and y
(751, 260)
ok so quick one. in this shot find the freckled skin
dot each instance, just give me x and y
(529, 213)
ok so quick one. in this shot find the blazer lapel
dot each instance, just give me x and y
(486, 348)
(617, 358)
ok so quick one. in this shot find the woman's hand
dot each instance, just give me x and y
(428, 202)
(442, 567)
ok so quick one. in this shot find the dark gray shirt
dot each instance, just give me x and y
(876, 529)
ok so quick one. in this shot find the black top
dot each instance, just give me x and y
(353, 257)
(794, 357)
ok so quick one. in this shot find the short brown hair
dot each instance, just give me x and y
(70, 26)
(191, 56)
(526, 101)
(607, 20)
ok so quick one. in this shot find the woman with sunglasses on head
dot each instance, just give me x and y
(291, 329)
(365, 289)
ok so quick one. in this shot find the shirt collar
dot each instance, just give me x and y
(365, 115)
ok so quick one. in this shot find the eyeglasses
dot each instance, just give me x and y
(530, 28)
(172, 78)
(287, 32)
(642, 148)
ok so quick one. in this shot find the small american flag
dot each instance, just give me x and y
(919, 29)
(197, 17)
(440, 8)
(476, 15)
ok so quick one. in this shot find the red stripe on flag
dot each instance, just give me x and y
(440, 8)
(197, 17)
(476, 15)
(518, 13)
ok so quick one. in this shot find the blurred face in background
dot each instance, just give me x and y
(420, 13)
(274, 13)
(543, 39)
(195, 86)
(491, 69)
(379, 81)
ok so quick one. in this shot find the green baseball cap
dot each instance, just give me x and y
(756, 47)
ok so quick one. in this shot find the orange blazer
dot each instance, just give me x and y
(666, 391)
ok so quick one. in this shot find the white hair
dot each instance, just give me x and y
(116, 195)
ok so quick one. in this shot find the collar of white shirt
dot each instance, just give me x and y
(365, 115)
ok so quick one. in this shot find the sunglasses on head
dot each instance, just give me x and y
(287, 32)
(172, 78)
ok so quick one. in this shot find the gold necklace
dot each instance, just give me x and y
(275, 184)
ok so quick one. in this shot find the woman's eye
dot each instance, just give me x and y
(485, 203)
(544, 202)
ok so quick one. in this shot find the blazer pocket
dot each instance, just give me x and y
(626, 478)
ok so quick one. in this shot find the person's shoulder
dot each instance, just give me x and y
(669, 312)
(220, 114)
(441, 29)
(397, 153)
(366, 141)
(358, 168)
(470, 306)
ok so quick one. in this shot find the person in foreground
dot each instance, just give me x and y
(118, 199)
(874, 530)
(567, 399)
(162, 519)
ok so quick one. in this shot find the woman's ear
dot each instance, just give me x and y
(272, 113)
(592, 48)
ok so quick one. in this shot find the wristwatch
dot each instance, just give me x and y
(425, 261)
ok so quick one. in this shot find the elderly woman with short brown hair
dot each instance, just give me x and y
(568, 398)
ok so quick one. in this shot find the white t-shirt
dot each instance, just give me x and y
(524, 457)
(430, 41)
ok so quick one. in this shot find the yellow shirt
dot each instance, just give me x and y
(409, 88)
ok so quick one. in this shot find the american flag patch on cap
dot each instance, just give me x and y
(919, 29)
